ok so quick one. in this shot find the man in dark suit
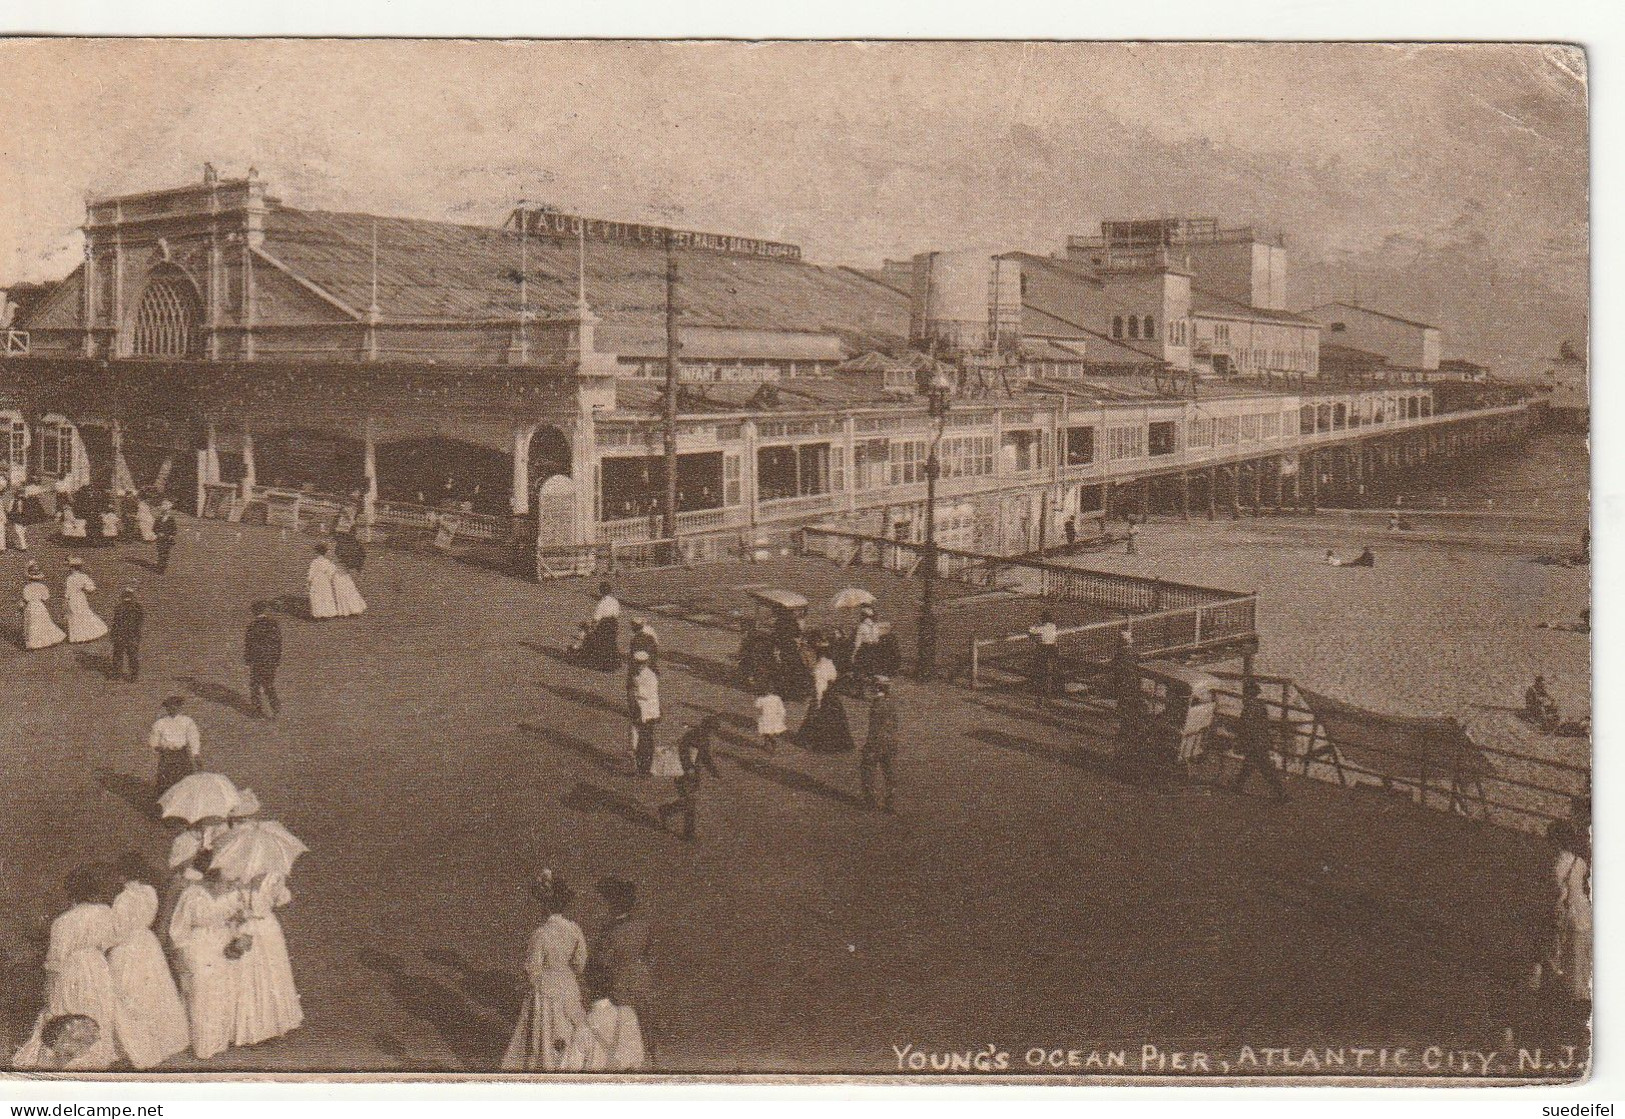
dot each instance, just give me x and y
(875, 767)
(694, 752)
(166, 530)
(126, 633)
(624, 945)
(262, 651)
(1253, 736)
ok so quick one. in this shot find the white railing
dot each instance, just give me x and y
(797, 506)
(625, 530)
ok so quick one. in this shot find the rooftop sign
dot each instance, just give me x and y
(545, 222)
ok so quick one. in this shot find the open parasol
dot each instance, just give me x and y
(851, 599)
(257, 847)
(199, 796)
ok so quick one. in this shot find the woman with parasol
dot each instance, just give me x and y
(258, 855)
(824, 729)
(205, 934)
(77, 979)
(554, 961)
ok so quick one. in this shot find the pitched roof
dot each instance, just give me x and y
(1369, 311)
(1335, 353)
(432, 271)
(1205, 302)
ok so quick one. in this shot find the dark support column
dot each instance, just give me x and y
(1258, 485)
(1212, 492)
(1145, 498)
(1313, 467)
(1279, 485)
(1185, 494)
(1106, 500)
(1235, 492)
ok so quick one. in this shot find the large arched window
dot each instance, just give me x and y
(166, 319)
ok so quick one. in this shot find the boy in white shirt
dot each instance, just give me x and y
(770, 719)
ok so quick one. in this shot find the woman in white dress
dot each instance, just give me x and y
(78, 980)
(346, 598)
(83, 623)
(202, 932)
(150, 1024)
(39, 630)
(319, 585)
(267, 1000)
(611, 1040)
(1572, 957)
(554, 961)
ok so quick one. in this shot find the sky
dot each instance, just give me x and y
(1443, 183)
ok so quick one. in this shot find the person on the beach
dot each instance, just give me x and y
(1538, 705)
(1253, 733)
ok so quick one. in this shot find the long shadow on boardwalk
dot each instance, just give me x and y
(599, 759)
(792, 779)
(587, 797)
(474, 1034)
(711, 671)
(587, 699)
(134, 791)
(1074, 758)
(226, 697)
(499, 992)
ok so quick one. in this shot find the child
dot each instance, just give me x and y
(574, 646)
(63, 1040)
(612, 1039)
(770, 718)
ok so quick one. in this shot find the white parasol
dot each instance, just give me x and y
(199, 796)
(257, 847)
(851, 599)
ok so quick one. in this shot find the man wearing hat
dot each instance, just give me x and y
(623, 945)
(1125, 677)
(880, 748)
(128, 618)
(166, 530)
(643, 701)
(176, 741)
(1253, 733)
(262, 652)
(644, 641)
(693, 752)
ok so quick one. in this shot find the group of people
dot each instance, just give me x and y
(82, 624)
(330, 580)
(824, 727)
(588, 1010)
(84, 518)
(135, 977)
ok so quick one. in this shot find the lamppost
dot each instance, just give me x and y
(926, 644)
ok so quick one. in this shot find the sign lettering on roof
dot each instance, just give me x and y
(551, 223)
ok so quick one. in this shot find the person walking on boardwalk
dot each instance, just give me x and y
(1125, 686)
(625, 947)
(84, 625)
(1046, 656)
(164, 531)
(262, 652)
(684, 763)
(643, 701)
(1071, 528)
(40, 630)
(1253, 734)
(875, 764)
(319, 585)
(644, 640)
(178, 744)
(554, 961)
(128, 618)
(770, 718)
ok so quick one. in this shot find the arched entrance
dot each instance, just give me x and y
(549, 453)
(167, 321)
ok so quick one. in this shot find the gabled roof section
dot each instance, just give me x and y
(430, 271)
(1369, 311)
(58, 309)
(1214, 305)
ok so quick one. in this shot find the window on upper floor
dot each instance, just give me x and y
(1117, 326)
(1133, 327)
(1148, 327)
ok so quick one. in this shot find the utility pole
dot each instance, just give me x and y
(672, 347)
(925, 666)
